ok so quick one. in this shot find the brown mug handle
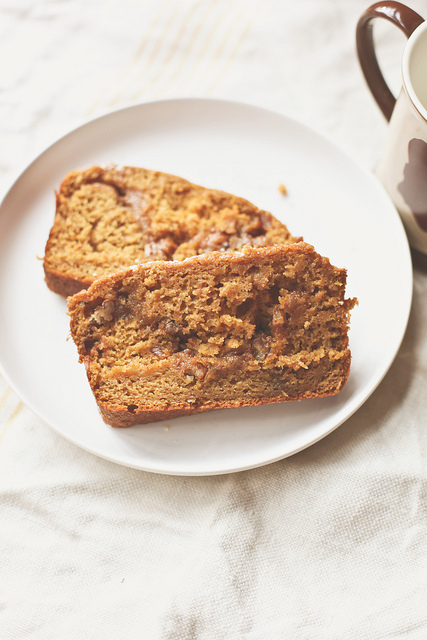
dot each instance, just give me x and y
(403, 17)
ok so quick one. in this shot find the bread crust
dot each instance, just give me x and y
(65, 285)
(121, 418)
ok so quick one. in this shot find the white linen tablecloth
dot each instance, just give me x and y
(328, 544)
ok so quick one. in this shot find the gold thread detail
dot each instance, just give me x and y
(231, 58)
(11, 419)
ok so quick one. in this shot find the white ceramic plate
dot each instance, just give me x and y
(334, 203)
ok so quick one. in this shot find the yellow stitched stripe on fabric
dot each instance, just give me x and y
(11, 419)
(16, 411)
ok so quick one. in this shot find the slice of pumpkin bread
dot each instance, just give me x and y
(220, 330)
(109, 218)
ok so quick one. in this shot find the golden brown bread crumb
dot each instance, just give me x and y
(165, 339)
(283, 190)
(109, 218)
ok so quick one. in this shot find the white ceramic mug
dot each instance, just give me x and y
(403, 168)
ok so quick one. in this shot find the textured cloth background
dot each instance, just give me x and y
(329, 544)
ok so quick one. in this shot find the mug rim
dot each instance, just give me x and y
(407, 82)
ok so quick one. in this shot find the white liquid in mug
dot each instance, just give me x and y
(418, 70)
